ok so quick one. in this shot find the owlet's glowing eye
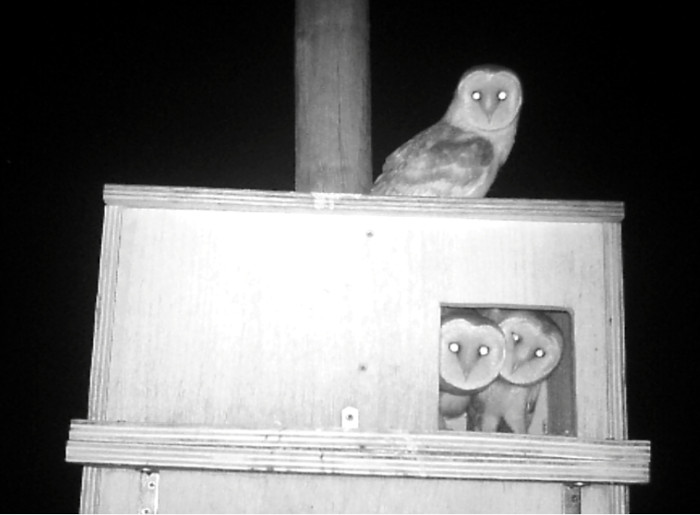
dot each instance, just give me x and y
(516, 338)
(454, 347)
(483, 350)
(539, 353)
(502, 95)
(476, 95)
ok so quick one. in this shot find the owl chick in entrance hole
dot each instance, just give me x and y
(472, 352)
(461, 154)
(534, 345)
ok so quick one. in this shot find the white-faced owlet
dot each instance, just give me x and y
(472, 352)
(534, 345)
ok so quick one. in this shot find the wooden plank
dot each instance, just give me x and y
(102, 340)
(453, 442)
(190, 491)
(333, 150)
(457, 456)
(615, 317)
(253, 200)
(104, 312)
(119, 492)
(209, 492)
(237, 306)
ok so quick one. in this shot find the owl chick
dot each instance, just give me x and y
(461, 154)
(534, 346)
(472, 352)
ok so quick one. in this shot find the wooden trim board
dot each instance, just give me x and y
(252, 200)
(500, 457)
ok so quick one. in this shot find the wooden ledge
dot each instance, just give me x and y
(164, 197)
(431, 455)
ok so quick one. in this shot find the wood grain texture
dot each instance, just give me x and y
(333, 151)
(617, 393)
(102, 344)
(255, 493)
(241, 492)
(104, 311)
(345, 203)
(457, 456)
(222, 317)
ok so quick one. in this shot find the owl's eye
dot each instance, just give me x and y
(476, 95)
(539, 353)
(502, 95)
(454, 347)
(483, 350)
(516, 338)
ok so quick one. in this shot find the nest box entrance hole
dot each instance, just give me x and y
(507, 369)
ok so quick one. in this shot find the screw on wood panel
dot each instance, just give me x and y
(350, 418)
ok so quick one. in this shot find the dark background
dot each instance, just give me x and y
(185, 96)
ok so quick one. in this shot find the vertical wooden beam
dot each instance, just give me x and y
(333, 152)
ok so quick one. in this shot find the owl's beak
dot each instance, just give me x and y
(515, 367)
(489, 106)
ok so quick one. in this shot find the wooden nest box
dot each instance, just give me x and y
(278, 352)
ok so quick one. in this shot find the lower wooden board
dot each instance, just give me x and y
(206, 469)
(249, 492)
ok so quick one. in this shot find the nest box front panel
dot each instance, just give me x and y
(271, 319)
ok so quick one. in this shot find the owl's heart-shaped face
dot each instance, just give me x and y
(472, 352)
(487, 100)
(534, 346)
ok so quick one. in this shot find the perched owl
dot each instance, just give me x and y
(461, 154)
(472, 352)
(534, 345)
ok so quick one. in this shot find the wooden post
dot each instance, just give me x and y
(333, 152)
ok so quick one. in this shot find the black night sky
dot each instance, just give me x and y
(204, 96)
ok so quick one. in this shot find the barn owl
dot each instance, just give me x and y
(461, 154)
(472, 352)
(534, 346)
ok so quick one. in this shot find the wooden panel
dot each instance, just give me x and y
(426, 455)
(253, 333)
(119, 491)
(102, 344)
(599, 499)
(104, 312)
(216, 492)
(204, 492)
(163, 197)
(615, 318)
(268, 320)
(560, 391)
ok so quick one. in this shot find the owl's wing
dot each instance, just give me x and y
(531, 404)
(443, 160)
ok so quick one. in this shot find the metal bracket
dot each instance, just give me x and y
(148, 491)
(572, 497)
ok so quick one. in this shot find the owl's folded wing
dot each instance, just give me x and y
(442, 160)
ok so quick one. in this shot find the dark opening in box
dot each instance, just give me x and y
(507, 369)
